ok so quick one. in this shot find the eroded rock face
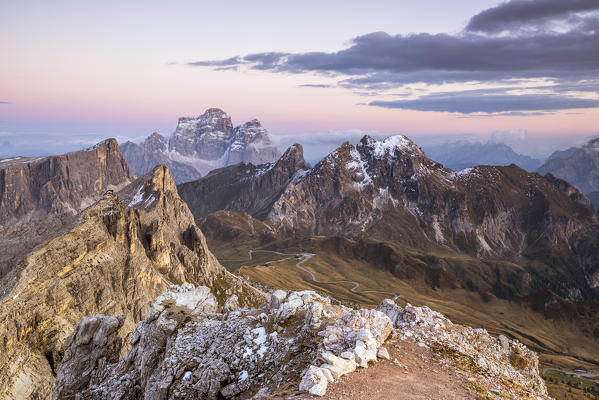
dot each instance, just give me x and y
(391, 190)
(178, 352)
(579, 166)
(249, 188)
(32, 188)
(123, 252)
(202, 144)
(143, 157)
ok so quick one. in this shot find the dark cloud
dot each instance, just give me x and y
(568, 57)
(467, 103)
(382, 58)
(5, 102)
(517, 13)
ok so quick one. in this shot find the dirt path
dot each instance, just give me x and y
(417, 375)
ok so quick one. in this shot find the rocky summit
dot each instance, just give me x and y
(189, 347)
(577, 165)
(202, 144)
(115, 258)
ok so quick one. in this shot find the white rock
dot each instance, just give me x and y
(196, 300)
(232, 304)
(383, 353)
(315, 381)
(276, 298)
(337, 365)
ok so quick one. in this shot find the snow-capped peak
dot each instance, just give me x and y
(389, 145)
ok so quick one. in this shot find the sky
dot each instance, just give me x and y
(524, 71)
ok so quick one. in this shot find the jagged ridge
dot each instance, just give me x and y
(125, 250)
(202, 144)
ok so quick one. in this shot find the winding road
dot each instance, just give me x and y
(307, 257)
(587, 375)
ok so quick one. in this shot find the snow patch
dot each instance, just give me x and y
(461, 173)
(360, 166)
(261, 335)
(137, 198)
(389, 145)
(438, 233)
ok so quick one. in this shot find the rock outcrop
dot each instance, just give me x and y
(301, 339)
(32, 188)
(152, 152)
(202, 144)
(120, 254)
(249, 188)
(501, 365)
(578, 166)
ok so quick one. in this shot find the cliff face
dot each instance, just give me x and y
(250, 188)
(121, 253)
(32, 188)
(152, 152)
(486, 210)
(200, 145)
(579, 166)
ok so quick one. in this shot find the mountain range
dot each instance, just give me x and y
(579, 166)
(109, 286)
(391, 191)
(463, 154)
(202, 144)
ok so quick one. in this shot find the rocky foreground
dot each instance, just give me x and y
(189, 347)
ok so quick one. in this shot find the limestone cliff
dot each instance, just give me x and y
(34, 187)
(202, 144)
(121, 253)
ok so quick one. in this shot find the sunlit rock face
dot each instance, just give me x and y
(117, 256)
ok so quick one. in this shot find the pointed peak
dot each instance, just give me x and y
(156, 138)
(295, 152)
(156, 135)
(214, 112)
(251, 125)
(146, 191)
